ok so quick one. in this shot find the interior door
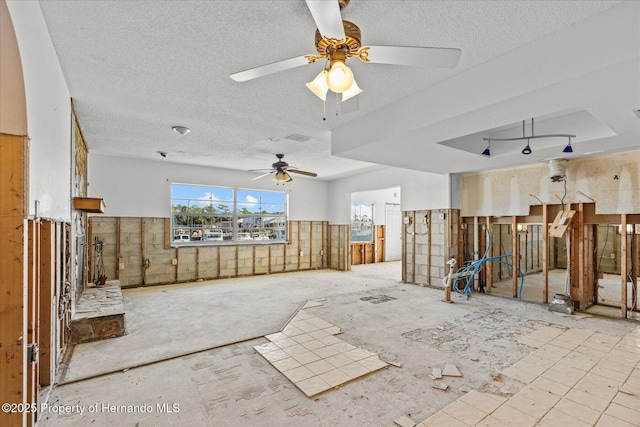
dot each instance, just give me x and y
(393, 232)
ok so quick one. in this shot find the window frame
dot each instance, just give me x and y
(237, 232)
(356, 224)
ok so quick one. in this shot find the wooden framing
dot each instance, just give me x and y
(545, 253)
(488, 265)
(516, 256)
(623, 266)
(47, 301)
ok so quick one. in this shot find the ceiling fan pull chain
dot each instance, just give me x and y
(324, 110)
(337, 105)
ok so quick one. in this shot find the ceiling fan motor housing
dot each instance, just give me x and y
(345, 48)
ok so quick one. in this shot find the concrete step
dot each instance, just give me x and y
(99, 314)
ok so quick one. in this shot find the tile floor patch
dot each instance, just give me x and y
(377, 299)
(574, 377)
(313, 359)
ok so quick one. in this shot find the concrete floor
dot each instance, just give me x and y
(188, 358)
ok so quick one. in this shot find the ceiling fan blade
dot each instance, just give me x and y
(262, 176)
(264, 70)
(327, 15)
(302, 172)
(438, 57)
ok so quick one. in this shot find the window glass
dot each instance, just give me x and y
(362, 222)
(218, 214)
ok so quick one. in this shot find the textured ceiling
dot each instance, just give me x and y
(136, 68)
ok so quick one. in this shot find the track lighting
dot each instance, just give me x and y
(487, 151)
(527, 150)
(568, 148)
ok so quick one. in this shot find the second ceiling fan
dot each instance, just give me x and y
(281, 170)
(337, 40)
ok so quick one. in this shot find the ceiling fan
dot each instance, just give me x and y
(336, 40)
(281, 170)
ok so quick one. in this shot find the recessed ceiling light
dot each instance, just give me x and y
(182, 130)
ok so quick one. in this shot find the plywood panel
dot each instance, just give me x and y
(13, 240)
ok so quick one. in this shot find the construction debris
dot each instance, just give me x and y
(440, 385)
(451, 371)
(404, 422)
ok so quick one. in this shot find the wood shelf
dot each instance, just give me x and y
(89, 204)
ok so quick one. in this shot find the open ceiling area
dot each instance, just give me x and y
(135, 69)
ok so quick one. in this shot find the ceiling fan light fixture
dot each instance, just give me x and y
(340, 77)
(319, 85)
(351, 92)
(282, 176)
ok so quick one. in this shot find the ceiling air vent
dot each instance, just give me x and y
(297, 137)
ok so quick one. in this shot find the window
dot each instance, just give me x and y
(217, 214)
(361, 222)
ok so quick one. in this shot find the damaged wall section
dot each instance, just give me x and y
(128, 242)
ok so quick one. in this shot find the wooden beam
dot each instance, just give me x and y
(118, 254)
(47, 302)
(488, 265)
(404, 251)
(582, 283)
(143, 248)
(634, 269)
(413, 250)
(429, 247)
(545, 253)
(33, 310)
(623, 266)
(516, 256)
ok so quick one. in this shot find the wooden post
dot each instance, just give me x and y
(13, 239)
(118, 254)
(143, 248)
(582, 268)
(516, 255)
(429, 247)
(404, 251)
(488, 265)
(33, 310)
(299, 248)
(197, 263)
(218, 267)
(623, 266)
(545, 253)
(47, 302)
(413, 250)
(310, 244)
(178, 263)
(634, 269)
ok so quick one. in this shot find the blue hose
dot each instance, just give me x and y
(478, 264)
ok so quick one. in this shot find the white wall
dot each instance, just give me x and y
(48, 113)
(142, 188)
(420, 190)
